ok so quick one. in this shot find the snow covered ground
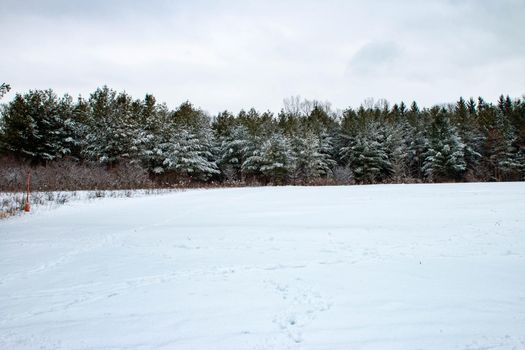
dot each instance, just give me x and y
(362, 267)
(12, 202)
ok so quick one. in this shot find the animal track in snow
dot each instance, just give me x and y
(303, 304)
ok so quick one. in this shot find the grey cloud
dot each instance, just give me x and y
(241, 53)
(81, 9)
(374, 57)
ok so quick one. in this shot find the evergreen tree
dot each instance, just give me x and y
(468, 140)
(397, 150)
(234, 148)
(223, 124)
(366, 154)
(37, 126)
(319, 120)
(190, 156)
(273, 160)
(18, 128)
(4, 89)
(154, 138)
(417, 140)
(445, 158)
(504, 157)
(312, 156)
(112, 127)
(468, 131)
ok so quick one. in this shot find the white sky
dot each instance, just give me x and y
(241, 54)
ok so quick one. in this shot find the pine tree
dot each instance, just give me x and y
(366, 154)
(468, 140)
(68, 135)
(4, 89)
(320, 119)
(38, 126)
(190, 156)
(18, 128)
(223, 124)
(312, 156)
(504, 157)
(445, 158)
(468, 131)
(273, 160)
(154, 138)
(112, 127)
(234, 148)
(397, 150)
(190, 151)
(417, 140)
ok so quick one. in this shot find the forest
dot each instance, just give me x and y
(112, 140)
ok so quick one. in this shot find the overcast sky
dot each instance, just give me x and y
(238, 54)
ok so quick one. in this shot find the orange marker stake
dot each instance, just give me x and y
(27, 207)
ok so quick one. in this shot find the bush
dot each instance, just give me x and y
(70, 175)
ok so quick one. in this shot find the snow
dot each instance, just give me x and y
(360, 267)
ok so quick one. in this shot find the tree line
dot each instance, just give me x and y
(306, 142)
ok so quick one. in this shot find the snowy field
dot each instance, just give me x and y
(362, 267)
